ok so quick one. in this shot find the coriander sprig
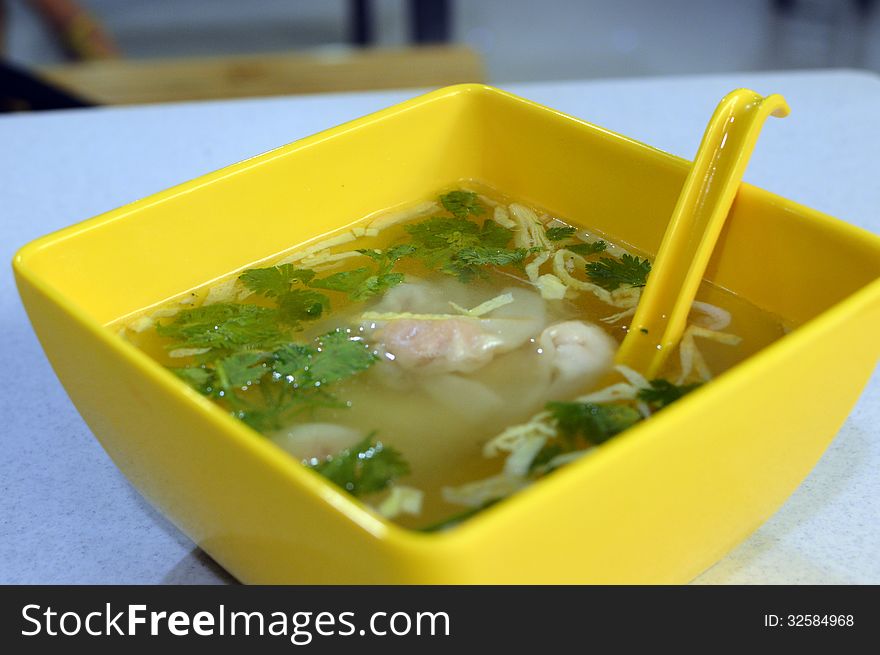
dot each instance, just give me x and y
(292, 378)
(367, 467)
(610, 273)
(463, 248)
(462, 203)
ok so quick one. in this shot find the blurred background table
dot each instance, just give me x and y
(68, 516)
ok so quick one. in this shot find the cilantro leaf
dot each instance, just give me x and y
(610, 273)
(469, 262)
(564, 233)
(359, 284)
(438, 239)
(662, 393)
(388, 257)
(463, 248)
(224, 327)
(594, 422)
(279, 402)
(275, 280)
(334, 357)
(240, 370)
(560, 233)
(363, 283)
(291, 378)
(377, 284)
(301, 305)
(462, 203)
(487, 256)
(585, 249)
(367, 467)
(198, 377)
(345, 281)
(441, 233)
(339, 357)
(493, 235)
(395, 253)
(291, 361)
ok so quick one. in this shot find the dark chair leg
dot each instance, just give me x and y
(360, 26)
(20, 91)
(430, 21)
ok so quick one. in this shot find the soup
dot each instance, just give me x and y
(436, 359)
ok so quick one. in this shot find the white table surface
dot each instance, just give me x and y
(68, 516)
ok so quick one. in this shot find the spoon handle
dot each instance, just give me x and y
(693, 230)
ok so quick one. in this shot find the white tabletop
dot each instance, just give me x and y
(68, 516)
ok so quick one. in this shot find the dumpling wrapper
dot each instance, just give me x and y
(308, 441)
(447, 343)
(579, 355)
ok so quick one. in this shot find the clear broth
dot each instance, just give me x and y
(440, 431)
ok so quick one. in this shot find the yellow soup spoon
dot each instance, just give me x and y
(693, 230)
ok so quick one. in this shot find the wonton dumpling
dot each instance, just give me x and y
(429, 345)
(414, 296)
(315, 440)
(445, 343)
(469, 399)
(579, 354)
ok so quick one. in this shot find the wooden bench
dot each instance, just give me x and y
(127, 81)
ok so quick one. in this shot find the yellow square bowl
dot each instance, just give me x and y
(658, 504)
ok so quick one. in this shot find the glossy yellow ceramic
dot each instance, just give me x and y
(658, 504)
(690, 237)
